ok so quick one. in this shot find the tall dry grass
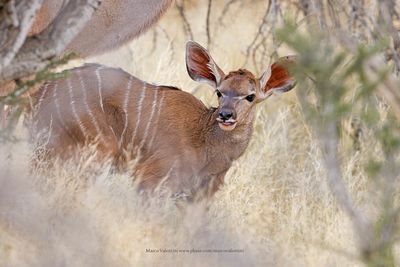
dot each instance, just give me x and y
(275, 208)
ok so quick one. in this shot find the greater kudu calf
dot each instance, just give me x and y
(181, 144)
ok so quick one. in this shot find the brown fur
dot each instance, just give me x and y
(176, 139)
(243, 72)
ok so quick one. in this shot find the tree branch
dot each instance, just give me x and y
(330, 141)
(186, 25)
(39, 50)
(208, 23)
(225, 11)
(16, 21)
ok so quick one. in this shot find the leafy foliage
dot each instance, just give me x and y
(327, 74)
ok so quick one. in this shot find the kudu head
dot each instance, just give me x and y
(239, 91)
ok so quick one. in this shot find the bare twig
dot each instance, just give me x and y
(208, 23)
(225, 11)
(274, 20)
(154, 41)
(170, 43)
(330, 141)
(259, 32)
(273, 13)
(180, 5)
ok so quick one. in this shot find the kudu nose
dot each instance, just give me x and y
(225, 114)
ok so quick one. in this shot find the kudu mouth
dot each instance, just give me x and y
(226, 125)
(226, 118)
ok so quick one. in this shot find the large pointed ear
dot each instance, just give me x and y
(277, 79)
(200, 65)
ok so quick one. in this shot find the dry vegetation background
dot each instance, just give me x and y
(276, 205)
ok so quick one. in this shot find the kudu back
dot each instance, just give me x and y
(178, 142)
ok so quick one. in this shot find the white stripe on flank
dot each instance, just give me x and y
(50, 131)
(160, 104)
(45, 87)
(112, 130)
(99, 86)
(153, 108)
(58, 105)
(88, 109)
(125, 108)
(142, 96)
(71, 95)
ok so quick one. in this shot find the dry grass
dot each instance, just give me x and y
(275, 206)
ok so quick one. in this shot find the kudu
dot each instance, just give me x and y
(182, 145)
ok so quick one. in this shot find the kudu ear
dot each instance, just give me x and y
(277, 79)
(200, 65)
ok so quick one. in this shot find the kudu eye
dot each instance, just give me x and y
(251, 97)
(219, 94)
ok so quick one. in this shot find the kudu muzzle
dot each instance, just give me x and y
(226, 110)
